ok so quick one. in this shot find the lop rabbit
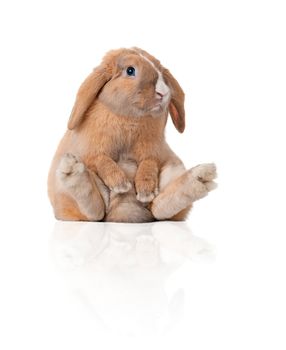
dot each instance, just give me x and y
(113, 163)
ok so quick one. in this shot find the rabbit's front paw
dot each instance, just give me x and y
(121, 186)
(146, 191)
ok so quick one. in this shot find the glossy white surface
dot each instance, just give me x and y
(96, 285)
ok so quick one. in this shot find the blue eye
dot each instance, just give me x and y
(130, 71)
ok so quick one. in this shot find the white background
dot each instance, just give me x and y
(217, 283)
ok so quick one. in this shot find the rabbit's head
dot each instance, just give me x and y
(131, 82)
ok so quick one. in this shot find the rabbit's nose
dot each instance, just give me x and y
(159, 95)
(161, 88)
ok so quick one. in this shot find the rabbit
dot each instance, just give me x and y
(113, 163)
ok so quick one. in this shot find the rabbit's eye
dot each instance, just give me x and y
(130, 71)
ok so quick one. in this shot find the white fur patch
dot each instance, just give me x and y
(170, 173)
(161, 86)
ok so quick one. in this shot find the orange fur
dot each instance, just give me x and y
(182, 215)
(146, 180)
(67, 209)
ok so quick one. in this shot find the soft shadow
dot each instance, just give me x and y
(121, 270)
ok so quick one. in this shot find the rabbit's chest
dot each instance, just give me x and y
(125, 141)
(117, 140)
(122, 137)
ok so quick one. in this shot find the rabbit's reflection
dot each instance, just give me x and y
(122, 270)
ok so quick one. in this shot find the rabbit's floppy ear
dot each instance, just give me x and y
(176, 106)
(87, 94)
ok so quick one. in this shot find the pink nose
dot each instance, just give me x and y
(159, 95)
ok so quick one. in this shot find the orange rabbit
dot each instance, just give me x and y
(113, 163)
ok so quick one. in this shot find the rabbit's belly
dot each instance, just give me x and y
(127, 209)
(128, 165)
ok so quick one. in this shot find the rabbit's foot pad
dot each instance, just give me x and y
(70, 169)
